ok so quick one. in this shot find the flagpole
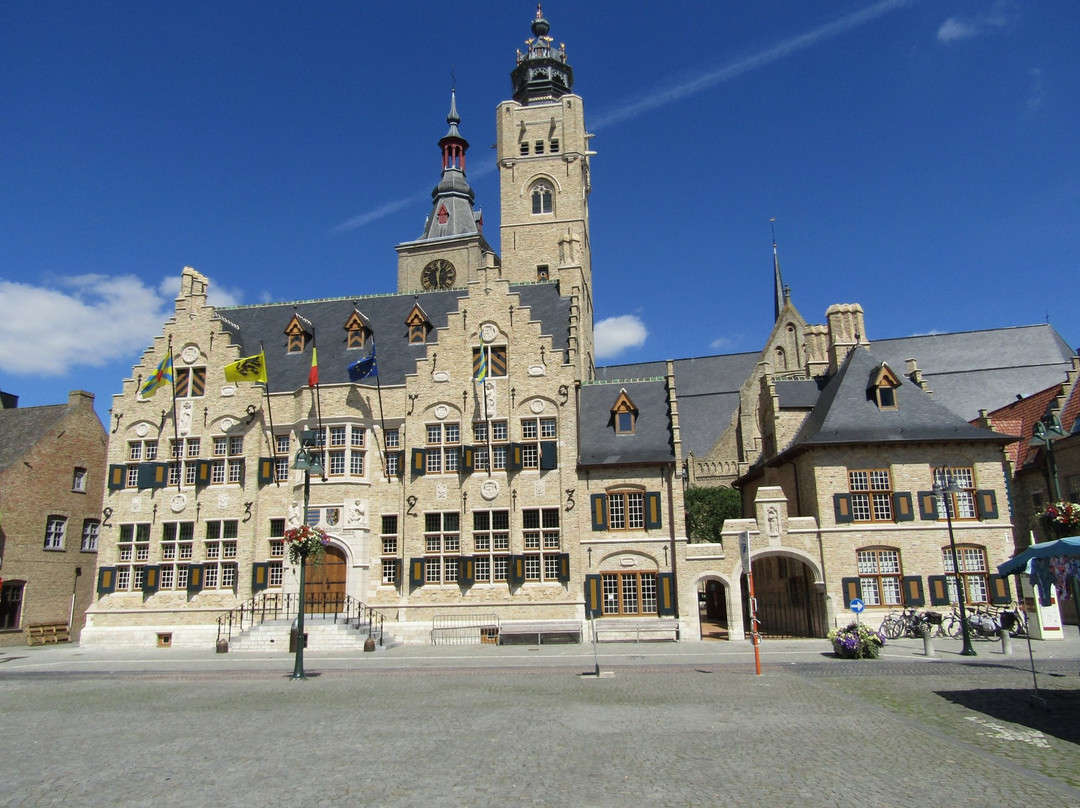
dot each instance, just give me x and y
(382, 420)
(269, 412)
(315, 365)
(175, 428)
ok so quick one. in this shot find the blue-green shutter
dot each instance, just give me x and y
(266, 470)
(195, 579)
(202, 472)
(400, 464)
(852, 588)
(260, 577)
(902, 510)
(842, 508)
(517, 570)
(235, 576)
(939, 590)
(466, 575)
(599, 511)
(416, 572)
(419, 462)
(913, 590)
(987, 504)
(468, 460)
(117, 477)
(549, 455)
(564, 568)
(153, 475)
(928, 506)
(513, 462)
(652, 510)
(1000, 594)
(593, 596)
(665, 594)
(150, 579)
(106, 579)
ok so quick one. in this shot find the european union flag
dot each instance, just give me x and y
(362, 368)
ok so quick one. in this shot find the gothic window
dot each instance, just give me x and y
(543, 195)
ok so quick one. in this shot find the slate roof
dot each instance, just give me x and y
(264, 325)
(21, 428)
(846, 413)
(707, 388)
(972, 370)
(651, 441)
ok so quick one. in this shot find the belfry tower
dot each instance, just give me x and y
(543, 160)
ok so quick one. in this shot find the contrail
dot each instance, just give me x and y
(766, 57)
(658, 99)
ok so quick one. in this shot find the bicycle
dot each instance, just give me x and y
(910, 623)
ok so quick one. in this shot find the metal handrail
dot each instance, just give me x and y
(283, 606)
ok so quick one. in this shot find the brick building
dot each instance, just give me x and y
(52, 464)
(490, 473)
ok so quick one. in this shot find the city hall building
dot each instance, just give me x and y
(479, 478)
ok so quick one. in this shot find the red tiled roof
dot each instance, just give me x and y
(1019, 418)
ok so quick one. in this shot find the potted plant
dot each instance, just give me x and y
(1060, 519)
(856, 641)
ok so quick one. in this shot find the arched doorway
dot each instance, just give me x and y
(788, 603)
(712, 610)
(324, 583)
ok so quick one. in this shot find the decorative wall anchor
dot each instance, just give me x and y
(564, 392)
(570, 499)
(107, 514)
(250, 414)
(116, 425)
(247, 511)
(511, 315)
(411, 502)
(412, 402)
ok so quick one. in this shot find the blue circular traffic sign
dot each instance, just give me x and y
(857, 606)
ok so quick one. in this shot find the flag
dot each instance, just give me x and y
(162, 376)
(248, 369)
(362, 368)
(482, 366)
(313, 374)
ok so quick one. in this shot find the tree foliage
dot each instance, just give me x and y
(706, 510)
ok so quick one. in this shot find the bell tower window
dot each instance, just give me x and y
(542, 197)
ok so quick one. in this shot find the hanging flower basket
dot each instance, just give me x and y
(1060, 519)
(856, 641)
(305, 542)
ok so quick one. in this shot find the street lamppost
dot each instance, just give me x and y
(1047, 430)
(310, 462)
(951, 488)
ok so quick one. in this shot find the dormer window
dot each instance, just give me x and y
(542, 195)
(882, 387)
(297, 335)
(443, 215)
(356, 331)
(624, 415)
(418, 324)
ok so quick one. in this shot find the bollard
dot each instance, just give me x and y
(1006, 642)
(927, 643)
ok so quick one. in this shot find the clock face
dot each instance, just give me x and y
(439, 274)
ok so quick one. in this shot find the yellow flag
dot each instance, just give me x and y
(248, 369)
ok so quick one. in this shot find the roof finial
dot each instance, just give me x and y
(781, 293)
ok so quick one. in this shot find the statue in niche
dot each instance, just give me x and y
(773, 518)
(294, 513)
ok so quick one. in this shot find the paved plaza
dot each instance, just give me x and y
(686, 724)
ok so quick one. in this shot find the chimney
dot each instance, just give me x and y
(846, 330)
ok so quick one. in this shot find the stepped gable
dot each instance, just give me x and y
(847, 414)
(263, 325)
(651, 441)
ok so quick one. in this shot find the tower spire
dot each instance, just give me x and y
(542, 74)
(452, 214)
(780, 292)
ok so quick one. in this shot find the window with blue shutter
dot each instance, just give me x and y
(652, 510)
(466, 571)
(517, 570)
(852, 589)
(266, 470)
(928, 506)
(514, 461)
(549, 455)
(564, 568)
(106, 581)
(153, 475)
(599, 511)
(913, 590)
(593, 596)
(842, 508)
(260, 577)
(202, 472)
(195, 579)
(987, 500)
(902, 509)
(665, 594)
(939, 590)
(150, 579)
(468, 460)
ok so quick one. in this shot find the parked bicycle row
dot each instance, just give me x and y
(984, 623)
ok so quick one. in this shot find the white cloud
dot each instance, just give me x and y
(77, 320)
(614, 335)
(1000, 15)
(720, 343)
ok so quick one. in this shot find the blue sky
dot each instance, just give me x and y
(921, 158)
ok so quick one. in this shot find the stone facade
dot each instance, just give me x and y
(51, 468)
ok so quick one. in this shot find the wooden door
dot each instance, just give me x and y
(324, 583)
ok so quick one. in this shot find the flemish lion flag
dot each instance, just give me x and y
(161, 376)
(248, 369)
